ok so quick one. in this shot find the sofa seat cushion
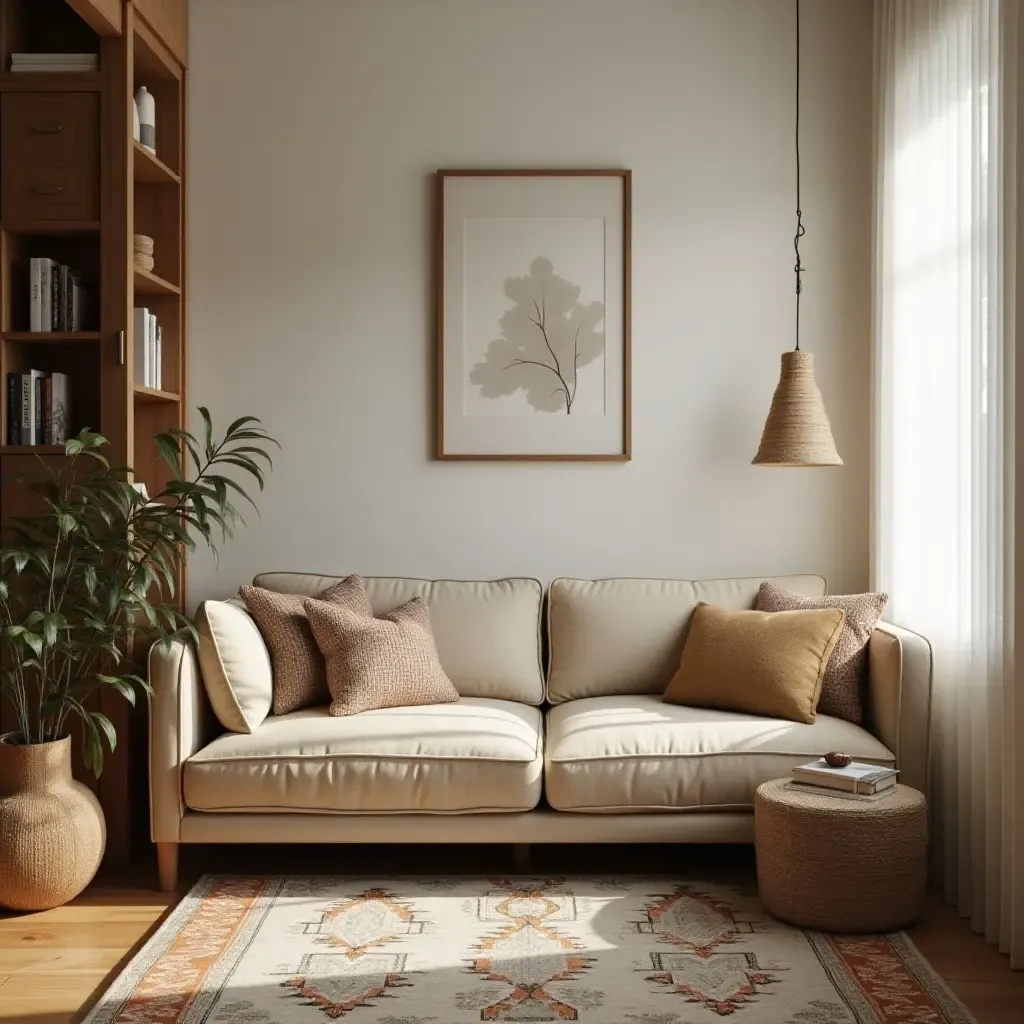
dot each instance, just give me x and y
(636, 753)
(476, 755)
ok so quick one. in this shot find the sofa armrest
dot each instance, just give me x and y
(177, 717)
(900, 697)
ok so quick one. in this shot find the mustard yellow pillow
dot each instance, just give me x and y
(759, 663)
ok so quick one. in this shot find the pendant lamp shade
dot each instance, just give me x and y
(797, 431)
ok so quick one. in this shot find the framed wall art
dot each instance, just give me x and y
(533, 282)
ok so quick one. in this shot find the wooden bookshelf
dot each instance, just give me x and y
(151, 169)
(50, 337)
(105, 188)
(144, 394)
(148, 283)
(32, 449)
(46, 81)
(52, 227)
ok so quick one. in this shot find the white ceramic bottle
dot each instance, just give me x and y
(147, 118)
(136, 124)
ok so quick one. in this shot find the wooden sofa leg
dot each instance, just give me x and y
(521, 856)
(167, 865)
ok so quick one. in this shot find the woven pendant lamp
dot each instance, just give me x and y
(797, 431)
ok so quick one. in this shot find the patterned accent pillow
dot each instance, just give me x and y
(300, 676)
(841, 688)
(390, 662)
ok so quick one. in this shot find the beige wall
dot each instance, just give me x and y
(314, 128)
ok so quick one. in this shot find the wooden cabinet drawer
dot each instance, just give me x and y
(50, 156)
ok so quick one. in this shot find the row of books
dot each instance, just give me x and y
(58, 299)
(38, 407)
(857, 781)
(149, 349)
(66, 62)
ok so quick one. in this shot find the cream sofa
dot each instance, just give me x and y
(584, 753)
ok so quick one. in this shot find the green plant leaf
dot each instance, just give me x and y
(106, 726)
(208, 423)
(101, 565)
(120, 684)
(52, 622)
(170, 452)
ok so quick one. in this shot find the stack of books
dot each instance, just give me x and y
(149, 349)
(65, 62)
(58, 300)
(38, 407)
(857, 781)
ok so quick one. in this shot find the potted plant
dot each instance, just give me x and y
(83, 585)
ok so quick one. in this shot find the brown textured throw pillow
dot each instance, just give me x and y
(760, 663)
(390, 662)
(841, 689)
(300, 676)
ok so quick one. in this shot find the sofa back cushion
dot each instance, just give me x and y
(621, 636)
(487, 632)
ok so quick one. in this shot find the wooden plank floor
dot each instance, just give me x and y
(53, 965)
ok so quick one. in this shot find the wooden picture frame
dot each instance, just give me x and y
(517, 356)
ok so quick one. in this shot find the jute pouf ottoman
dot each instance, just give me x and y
(841, 865)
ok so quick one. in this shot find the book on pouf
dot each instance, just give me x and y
(810, 787)
(855, 778)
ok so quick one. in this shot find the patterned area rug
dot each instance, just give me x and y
(443, 951)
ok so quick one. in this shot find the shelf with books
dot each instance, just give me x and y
(151, 169)
(59, 297)
(147, 283)
(51, 281)
(38, 381)
(39, 406)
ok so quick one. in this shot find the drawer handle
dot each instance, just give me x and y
(47, 190)
(47, 129)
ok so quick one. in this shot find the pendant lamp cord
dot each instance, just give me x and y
(798, 267)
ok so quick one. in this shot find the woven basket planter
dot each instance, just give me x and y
(52, 832)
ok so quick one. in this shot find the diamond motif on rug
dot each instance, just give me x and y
(372, 919)
(527, 953)
(686, 917)
(723, 982)
(337, 984)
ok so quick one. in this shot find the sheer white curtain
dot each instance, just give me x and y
(944, 421)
